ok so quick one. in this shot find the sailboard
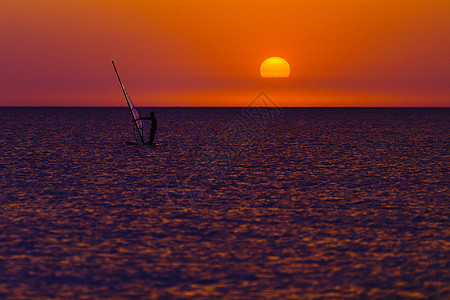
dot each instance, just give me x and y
(134, 113)
(145, 144)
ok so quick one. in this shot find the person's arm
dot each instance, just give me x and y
(144, 118)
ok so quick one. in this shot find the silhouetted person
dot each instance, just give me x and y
(153, 127)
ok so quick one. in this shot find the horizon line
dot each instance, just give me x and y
(77, 106)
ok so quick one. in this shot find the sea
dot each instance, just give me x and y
(232, 203)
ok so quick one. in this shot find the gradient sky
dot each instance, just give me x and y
(208, 53)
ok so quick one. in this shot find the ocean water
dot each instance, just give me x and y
(313, 203)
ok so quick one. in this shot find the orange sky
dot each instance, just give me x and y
(208, 53)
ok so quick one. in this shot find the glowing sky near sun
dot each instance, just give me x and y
(208, 53)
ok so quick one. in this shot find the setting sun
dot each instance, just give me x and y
(275, 67)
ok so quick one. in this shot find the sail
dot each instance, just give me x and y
(139, 124)
(135, 114)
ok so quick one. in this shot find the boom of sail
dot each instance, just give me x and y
(134, 113)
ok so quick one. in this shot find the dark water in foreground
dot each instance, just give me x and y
(309, 203)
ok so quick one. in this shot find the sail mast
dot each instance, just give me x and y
(131, 107)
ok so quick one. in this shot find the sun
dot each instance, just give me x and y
(275, 67)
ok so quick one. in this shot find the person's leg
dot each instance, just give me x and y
(152, 136)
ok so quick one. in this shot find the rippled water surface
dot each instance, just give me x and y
(309, 203)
